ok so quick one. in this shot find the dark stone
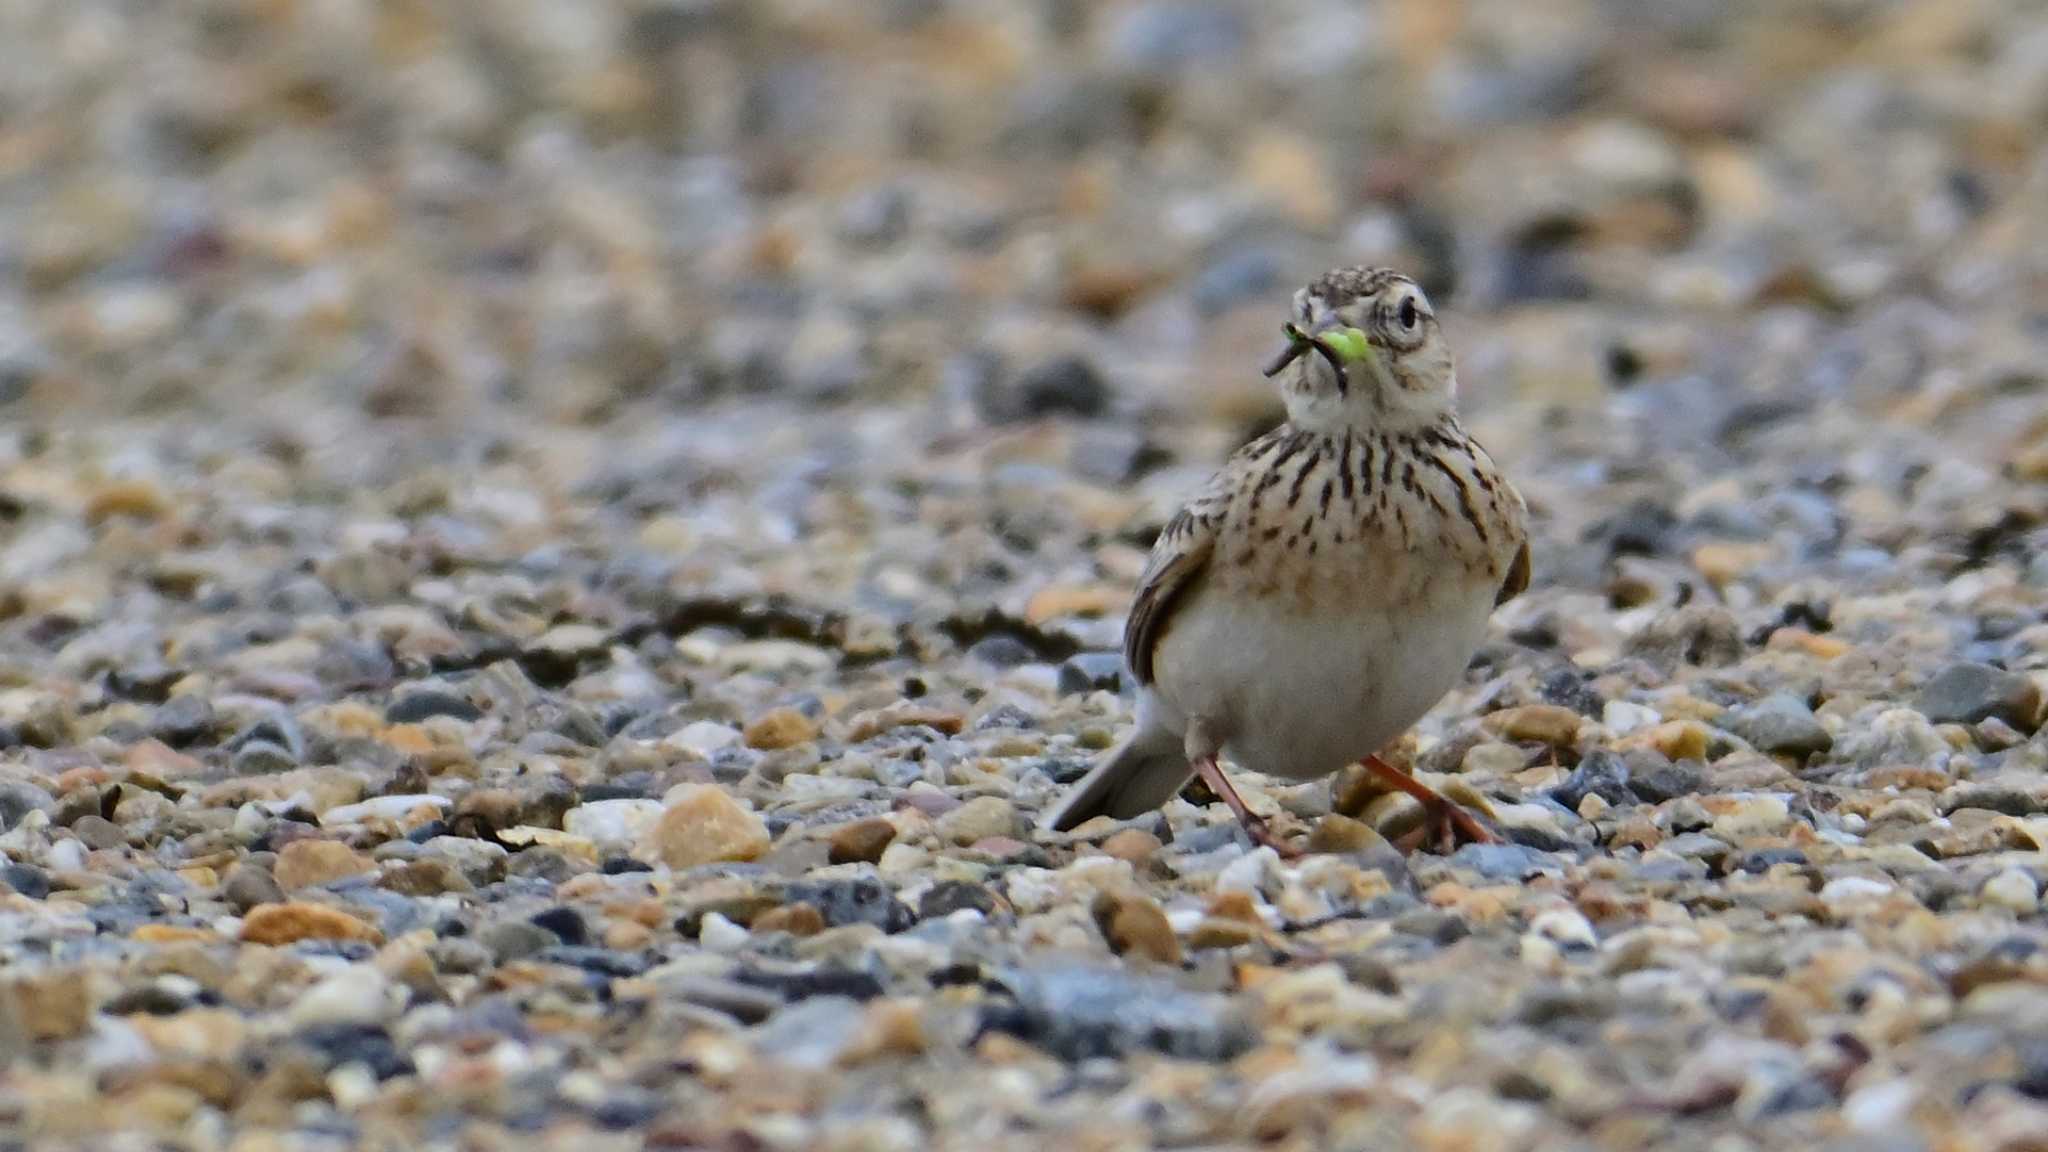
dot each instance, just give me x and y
(950, 896)
(802, 984)
(279, 730)
(1601, 774)
(1002, 650)
(1657, 779)
(366, 1044)
(1081, 1012)
(566, 923)
(18, 799)
(859, 901)
(1763, 859)
(182, 720)
(600, 961)
(1064, 769)
(27, 880)
(1567, 687)
(1088, 671)
(1062, 386)
(620, 865)
(263, 758)
(413, 707)
(1642, 529)
(147, 1000)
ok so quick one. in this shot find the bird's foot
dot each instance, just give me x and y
(1444, 824)
(1254, 826)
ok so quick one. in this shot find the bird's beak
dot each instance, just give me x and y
(1313, 339)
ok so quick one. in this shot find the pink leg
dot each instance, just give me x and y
(1444, 823)
(1212, 775)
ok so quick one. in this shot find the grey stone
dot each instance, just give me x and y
(1601, 774)
(1082, 1012)
(1088, 671)
(1779, 724)
(1967, 693)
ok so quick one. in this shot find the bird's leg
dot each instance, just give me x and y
(1443, 821)
(1212, 775)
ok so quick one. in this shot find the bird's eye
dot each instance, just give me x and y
(1408, 314)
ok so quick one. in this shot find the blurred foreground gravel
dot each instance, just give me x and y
(551, 553)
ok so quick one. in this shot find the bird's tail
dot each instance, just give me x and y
(1131, 779)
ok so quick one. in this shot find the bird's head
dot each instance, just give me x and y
(1364, 351)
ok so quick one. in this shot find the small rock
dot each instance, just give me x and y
(950, 896)
(566, 923)
(1968, 693)
(1781, 725)
(780, 728)
(1132, 845)
(1656, 778)
(248, 886)
(359, 994)
(394, 808)
(512, 940)
(425, 704)
(861, 842)
(98, 833)
(1134, 925)
(704, 826)
(2012, 889)
(1548, 724)
(1081, 1012)
(981, 818)
(1341, 835)
(1090, 671)
(612, 824)
(1062, 386)
(702, 738)
(311, 863)
(863, 900)
(26, 880)
(1601, 774)
(798, 919)
(18, 799)
(279, 924)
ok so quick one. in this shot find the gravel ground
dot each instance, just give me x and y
(550, 555)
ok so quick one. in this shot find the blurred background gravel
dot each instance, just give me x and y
(549, 550)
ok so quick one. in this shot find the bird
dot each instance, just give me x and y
(1329, 584)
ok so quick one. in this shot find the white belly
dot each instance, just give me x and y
(1300, 696)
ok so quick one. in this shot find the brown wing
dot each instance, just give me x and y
(1179, 557)
(1517, 581)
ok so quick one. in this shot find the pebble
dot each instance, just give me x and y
(288, 923)
(1134, 926)
(313, 863)
(861, 842)
(2012, 890)
(704, 825)
(1970, 693)
(981, 818)
(1780, 724)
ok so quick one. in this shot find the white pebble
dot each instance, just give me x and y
(1849, 889)
(1880, 1107)
(382, 808)
(718, 934)
(2012, 889)
(358, 994)
(1566, 927)
(1622, 717)
(702, 737)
